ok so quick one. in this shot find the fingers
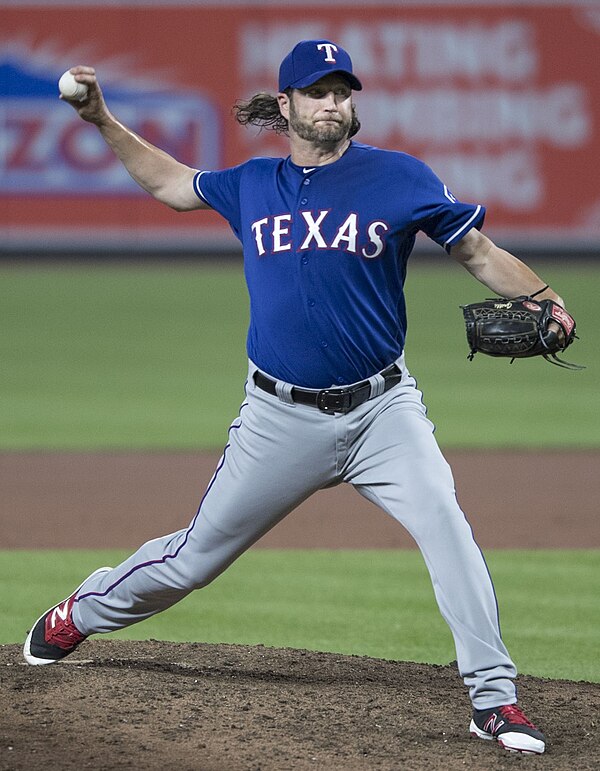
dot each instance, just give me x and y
(555, 334)
(92, 107)
(82, 74)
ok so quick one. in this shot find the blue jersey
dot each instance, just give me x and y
(325, 254)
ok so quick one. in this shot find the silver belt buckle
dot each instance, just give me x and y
(334, 400)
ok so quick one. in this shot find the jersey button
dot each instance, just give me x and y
(311, 303)
(304, 201)
(306, 182)
(324, 343)
(304, 260)
(340, 380)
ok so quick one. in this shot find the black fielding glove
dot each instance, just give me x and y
(519, 328)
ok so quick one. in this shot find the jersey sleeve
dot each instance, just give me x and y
(221, 191)
(439, 214)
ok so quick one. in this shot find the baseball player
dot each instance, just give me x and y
(326, 235)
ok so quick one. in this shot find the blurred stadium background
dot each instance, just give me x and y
(500, 98)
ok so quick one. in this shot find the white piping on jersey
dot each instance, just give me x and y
(467, 223)
(199, 192)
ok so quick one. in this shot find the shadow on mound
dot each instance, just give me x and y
(157, 705)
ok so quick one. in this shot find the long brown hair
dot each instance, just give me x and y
(263, 110)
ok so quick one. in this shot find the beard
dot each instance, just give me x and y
(332, 131)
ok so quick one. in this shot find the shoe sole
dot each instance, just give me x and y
(34, 661)
(512, 741)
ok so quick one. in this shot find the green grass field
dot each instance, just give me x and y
(105, 357)
(100, 357)
(375, 603)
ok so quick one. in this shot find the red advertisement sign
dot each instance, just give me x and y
(501, 100)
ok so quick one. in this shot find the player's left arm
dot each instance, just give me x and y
(499, 270)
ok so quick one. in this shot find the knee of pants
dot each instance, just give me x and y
(207, 554)
(192, 571)
(205, 576)
(434, 509)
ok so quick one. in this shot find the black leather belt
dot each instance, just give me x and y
(332, 400)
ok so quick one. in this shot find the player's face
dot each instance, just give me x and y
(322, 112)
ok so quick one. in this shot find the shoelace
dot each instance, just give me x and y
(512, 714)
(64, 634)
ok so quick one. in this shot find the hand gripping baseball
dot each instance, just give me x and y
(519, 327)
(92, 107)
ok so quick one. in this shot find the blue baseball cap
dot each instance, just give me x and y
(311, 60)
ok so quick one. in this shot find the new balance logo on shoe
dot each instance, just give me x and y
(60, 612)
(510, 727)
(491, 726)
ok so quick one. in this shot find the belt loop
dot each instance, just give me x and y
(284, 392)
(377, 385)
(252, 370)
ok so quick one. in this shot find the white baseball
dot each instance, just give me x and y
(71, 89)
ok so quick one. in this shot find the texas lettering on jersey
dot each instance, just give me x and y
(338, 320)
(273, 234)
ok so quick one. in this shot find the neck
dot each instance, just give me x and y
(305, 153)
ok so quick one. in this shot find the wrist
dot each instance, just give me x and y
(545, 293)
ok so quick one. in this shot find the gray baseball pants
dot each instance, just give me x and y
(277, 455)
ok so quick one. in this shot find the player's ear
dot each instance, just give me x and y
(283, 100)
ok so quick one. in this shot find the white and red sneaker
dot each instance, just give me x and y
(54, 635)
(509, 726)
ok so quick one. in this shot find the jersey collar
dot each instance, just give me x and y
(308, 171)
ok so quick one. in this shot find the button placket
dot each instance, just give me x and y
(304, 259)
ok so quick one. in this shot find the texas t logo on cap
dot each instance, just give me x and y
(311, 60)
(329, 47)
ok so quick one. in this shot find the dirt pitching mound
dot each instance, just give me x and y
(156, 705)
